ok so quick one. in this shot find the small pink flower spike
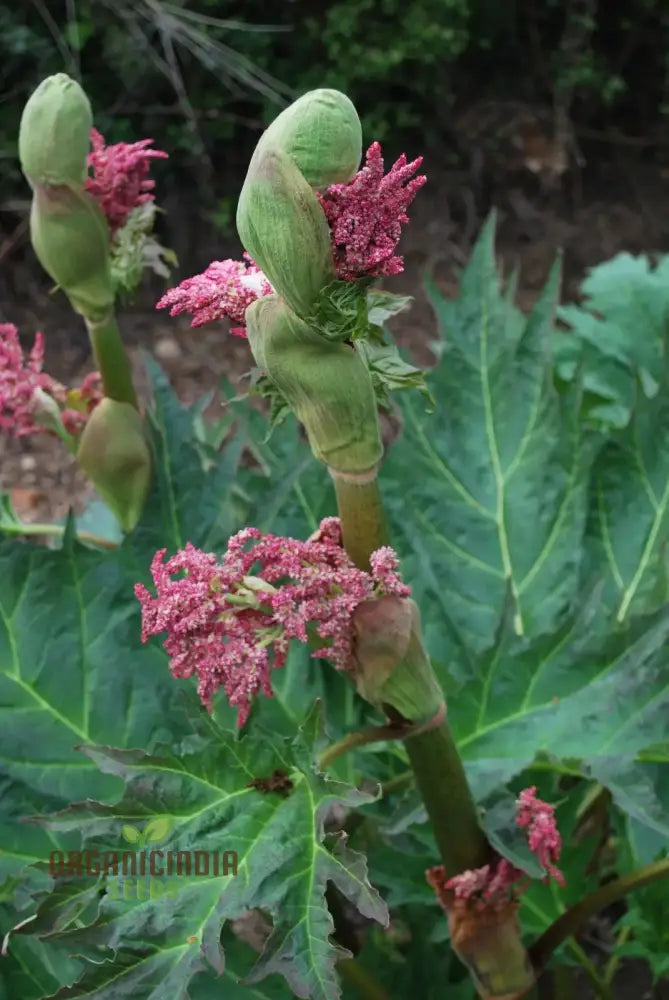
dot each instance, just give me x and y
(120, 179)
(224, 291)
(543, 838)
(500, 881)
(20, 378)
(26, 392)
(230, 622)
(366, 216)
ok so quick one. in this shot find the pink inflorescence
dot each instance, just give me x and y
(24, 386)
(120, 180)
(20, 378)
(224, 291)
(366, 216)
(498, 882)
(86, 398)
(543, 838)
(230, 622)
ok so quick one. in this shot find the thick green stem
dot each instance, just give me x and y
(111, 360)
(363, 521)
(432, 753)
(441, 780)
(571, 921)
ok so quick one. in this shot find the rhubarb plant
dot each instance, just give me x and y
(320, 720)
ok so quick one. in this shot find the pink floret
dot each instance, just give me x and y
(499, 882)
(20, 380)
(366, 216)
(224, 291)
(229, 622)
(120, 180)
(24, 388)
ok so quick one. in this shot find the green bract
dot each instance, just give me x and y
(114, 454)
(391, 666)
(284, 228)
(327, 385)
(54, 135)
(70, 237)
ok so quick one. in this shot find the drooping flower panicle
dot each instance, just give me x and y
(30, 399)
(224, 291)
(543, 837)
(230, 622)
(120, 181)
(498, 883)
(366, 216)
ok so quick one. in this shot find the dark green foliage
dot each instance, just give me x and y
(534, 538)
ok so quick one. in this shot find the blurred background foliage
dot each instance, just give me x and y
(204, 76)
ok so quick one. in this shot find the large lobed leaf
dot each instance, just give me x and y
(212, 803)
(498, 476)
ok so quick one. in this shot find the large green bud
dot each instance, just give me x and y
(54, 135)
(321, 133)
(68, 230)
(315, 142)
(114, 454)
(326, 385)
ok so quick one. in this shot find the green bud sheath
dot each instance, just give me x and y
(54, 135)
(326, 385)
(70, 238)
(391, 665)
(114, 454)
(284, 229)
(321, 133)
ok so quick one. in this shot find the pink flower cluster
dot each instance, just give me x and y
(24, 386)
(80, 403)
(543, 837)
(495, 884)
(366, 216)
(225, 290)
(230, 622)
(120, 179)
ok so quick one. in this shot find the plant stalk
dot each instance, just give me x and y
(570, 922)
(443, 786)
(111, 360)
(433, 756)
(362, 518)
(58, 531)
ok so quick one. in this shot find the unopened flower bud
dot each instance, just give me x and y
(114, 454)
(326, 385)
(321, 133)
(54, 135)
(391, 665)
(284, 229)
(70, 238)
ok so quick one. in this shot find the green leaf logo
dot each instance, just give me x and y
(154, 831)
(157, 829)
